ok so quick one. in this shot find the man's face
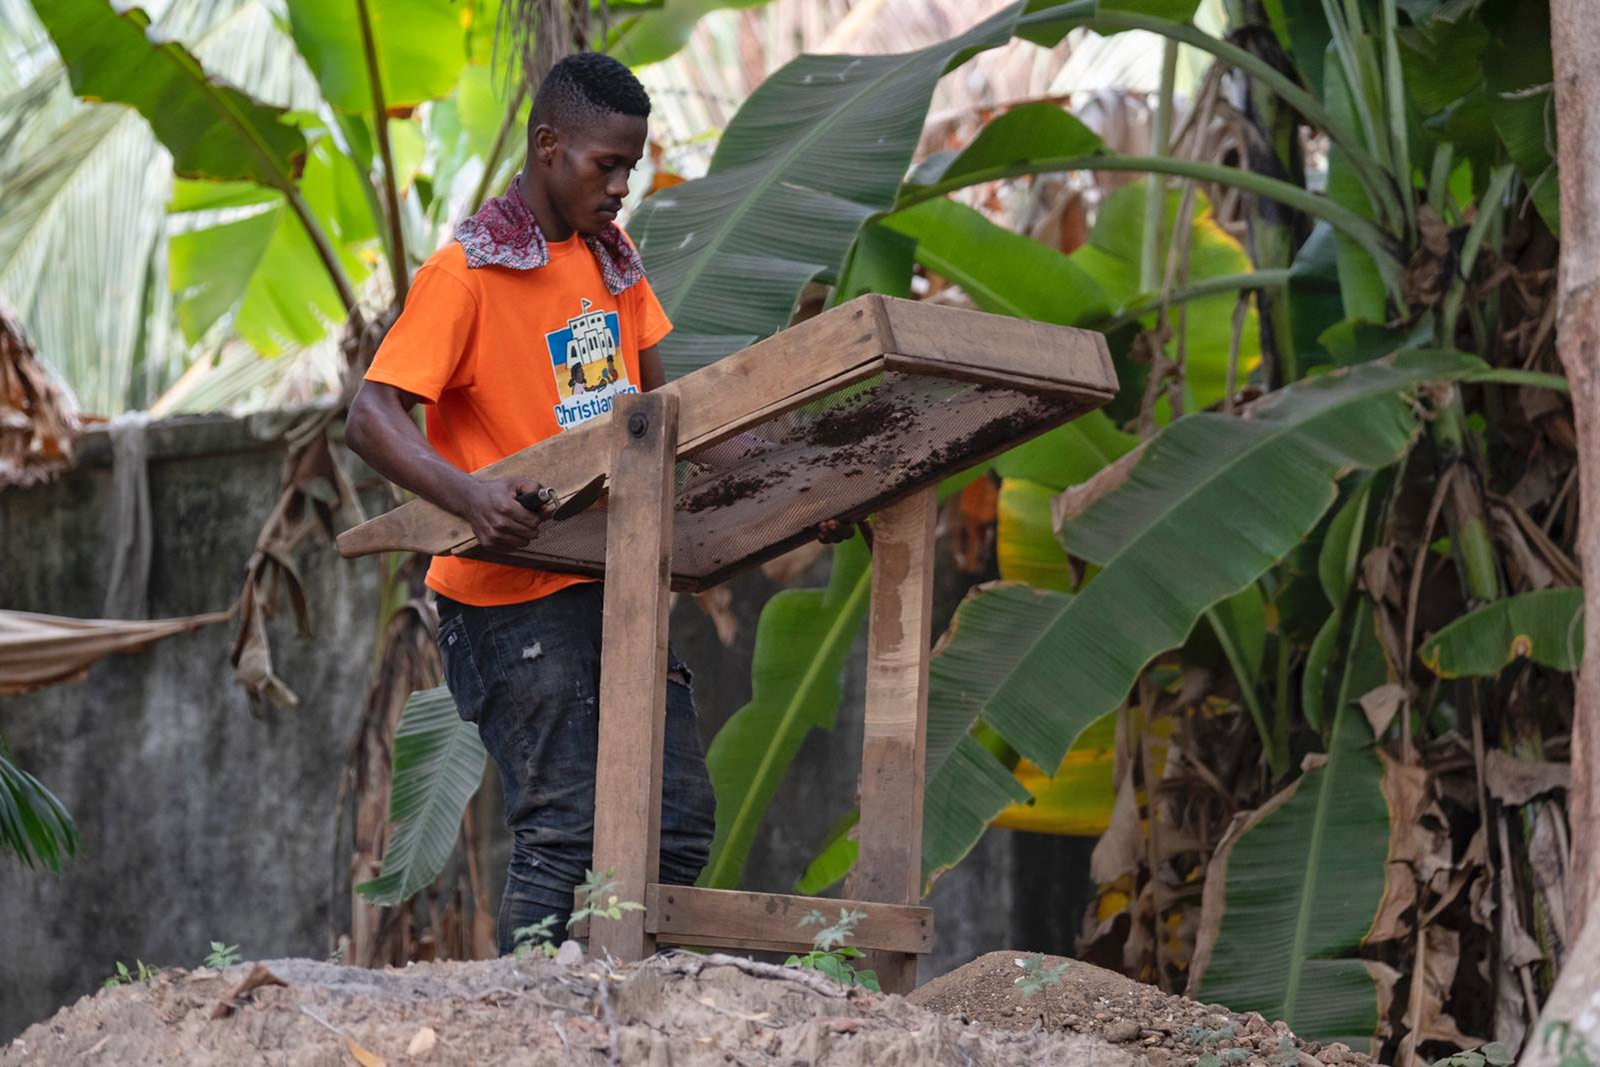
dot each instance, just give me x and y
(586, 169)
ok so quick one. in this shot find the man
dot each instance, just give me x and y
(493, 339)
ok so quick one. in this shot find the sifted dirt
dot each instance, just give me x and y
(1163, 1030)
(681, 1010)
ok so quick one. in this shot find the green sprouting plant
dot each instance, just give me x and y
(539, 937)
(830, 955)
(600, 901)
(222, 955)
(1199, 1035)
(123, 976)
(1570, 1044)
(1036, 977)
(1493, 1054)
(1286, 1055)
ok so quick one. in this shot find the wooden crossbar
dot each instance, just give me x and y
(726, 918)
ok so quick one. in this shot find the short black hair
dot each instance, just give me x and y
(584, 87)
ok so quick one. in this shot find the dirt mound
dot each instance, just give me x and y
(1169, 1031)
(682, 1010)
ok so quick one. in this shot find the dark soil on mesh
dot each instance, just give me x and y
(1165, 1030)
(852, 422)
(680, 1010)
(727, 491)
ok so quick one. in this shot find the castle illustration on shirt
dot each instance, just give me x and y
(586, 358)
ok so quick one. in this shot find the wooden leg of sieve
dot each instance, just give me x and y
(633, 665)
(890, 864)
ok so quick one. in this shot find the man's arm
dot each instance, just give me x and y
(379, 429)
(651, 376)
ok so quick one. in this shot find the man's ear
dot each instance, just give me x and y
(544, 143)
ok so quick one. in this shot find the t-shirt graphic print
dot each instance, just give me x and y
(585, 356)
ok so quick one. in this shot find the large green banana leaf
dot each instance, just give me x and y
(420, 45)
(1336, 573)
(814, 152)
(1545, 626)
(212, 129)
(237, 244)
(95, 299)
(1292, 894)
(1007, 273)
(1210, 505)
(802, 641)
(33, 823)
(653, 36)
(438, 763)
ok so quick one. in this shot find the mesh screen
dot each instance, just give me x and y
(841, 456)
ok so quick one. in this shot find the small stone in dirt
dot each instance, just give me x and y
(422, 1042)
(844, 1025)
(1121, 1031)
(569, 954)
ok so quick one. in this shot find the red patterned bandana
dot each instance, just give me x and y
(504, 234)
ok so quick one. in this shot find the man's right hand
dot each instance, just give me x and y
(496, 517)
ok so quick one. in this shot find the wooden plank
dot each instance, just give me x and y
(1022, 383)
(565, 462)
(892, 755)
(633, 664)
(723, 918)
(997, 343)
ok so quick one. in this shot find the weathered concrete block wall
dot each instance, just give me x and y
(200, 822)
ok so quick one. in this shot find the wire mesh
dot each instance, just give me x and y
(841, 456)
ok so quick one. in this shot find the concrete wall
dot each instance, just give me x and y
(200, 822)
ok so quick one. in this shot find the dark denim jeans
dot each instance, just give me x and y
(529, 676)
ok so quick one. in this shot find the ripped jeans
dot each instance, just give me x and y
(529, 676)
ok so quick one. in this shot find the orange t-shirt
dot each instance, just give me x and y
(506, 358)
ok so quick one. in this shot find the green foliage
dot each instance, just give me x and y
(814, 152)
(802, 641)
(830, 954)
(34, 825)
(421, 47)
(1545, 626)
(1036, 977)
(1570, 1044)
(1191, 520)
(221, 955)
(600, 899)
(438, 763)
(212, 130)
(1302, 881)
(834, 859)
(653, 36)
(123, 976)
(1494, 1054)
(537, 939)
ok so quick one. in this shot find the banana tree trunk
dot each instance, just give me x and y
(1575, 38)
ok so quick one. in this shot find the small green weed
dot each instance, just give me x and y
(600, 901)
(1573, 1048)
(122, 976)
(1493, 1054)
(1199, 1035)
(830, 955)
(1036, 977)
(222, 955)
(538, 938)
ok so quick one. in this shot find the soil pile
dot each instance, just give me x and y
(682, 1010)
(1164, 1030)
